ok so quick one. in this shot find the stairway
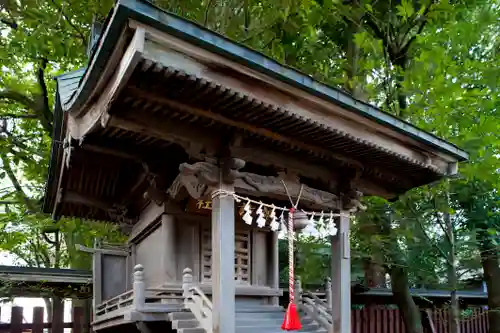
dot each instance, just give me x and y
(249, 319)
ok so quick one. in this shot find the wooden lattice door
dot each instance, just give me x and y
(242, 253)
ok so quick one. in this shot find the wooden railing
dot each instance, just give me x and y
(140, 298)
(196, 301)
(314, 307)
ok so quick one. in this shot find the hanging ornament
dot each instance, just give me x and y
(332, 228)
(321, 220)
(309, 229)
(261, 220)
(274, 224)
(311, 219)
(282, 221)
(247, 217)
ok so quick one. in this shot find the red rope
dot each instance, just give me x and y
(292, 320)
(291, 277)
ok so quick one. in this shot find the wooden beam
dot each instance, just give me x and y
(86, 200)
(168, 50)
(320, 152)
(113, 252)
(124, 155)
(195, 140)
(243, 126)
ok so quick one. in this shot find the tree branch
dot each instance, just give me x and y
(207, 10)
(432, 242)
(18, 116)
(80, 34)
(16, 184)
(41, 110)
(19, 98)
(10, 24)
(46, 113)
(36, 252)
(440, 222)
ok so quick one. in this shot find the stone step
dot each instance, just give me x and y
(241, 322)
(180, 316)
(255, 329)
(189, 323)
(268, 322)
(259, 308)
(191, 330)
(260, 315)
(270, 329)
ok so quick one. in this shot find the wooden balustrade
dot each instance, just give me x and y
(196, 301)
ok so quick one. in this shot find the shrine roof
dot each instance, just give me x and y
(146, 13)
(160, 91)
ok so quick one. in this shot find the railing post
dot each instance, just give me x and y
(298, 291)
(139, 287)
(328, 292)
(187, 281)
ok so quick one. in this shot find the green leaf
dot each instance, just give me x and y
(405, 10)
(492, 231)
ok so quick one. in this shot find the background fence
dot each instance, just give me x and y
(18, 323)
(368, 320)
(382, 320)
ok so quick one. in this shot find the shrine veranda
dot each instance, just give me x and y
(169, 117)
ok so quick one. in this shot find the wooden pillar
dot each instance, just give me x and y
(97, 275)
(274, 270)
(139, 288)
(341, 276)
(223, 284)
(169, 258)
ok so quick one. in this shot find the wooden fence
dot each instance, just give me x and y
(368, 320)
(383, 320)
(18, 323)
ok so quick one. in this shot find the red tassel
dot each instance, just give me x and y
(292, 320)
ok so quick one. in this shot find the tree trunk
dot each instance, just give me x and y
(490, 263)
(454, 323)
(352, 51)
(374, 274)
(399, 276)
(402, 296)
(48, 305)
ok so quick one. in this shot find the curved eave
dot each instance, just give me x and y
(55, 156)
(148, 14)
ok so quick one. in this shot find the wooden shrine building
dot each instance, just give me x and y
(166, 123)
